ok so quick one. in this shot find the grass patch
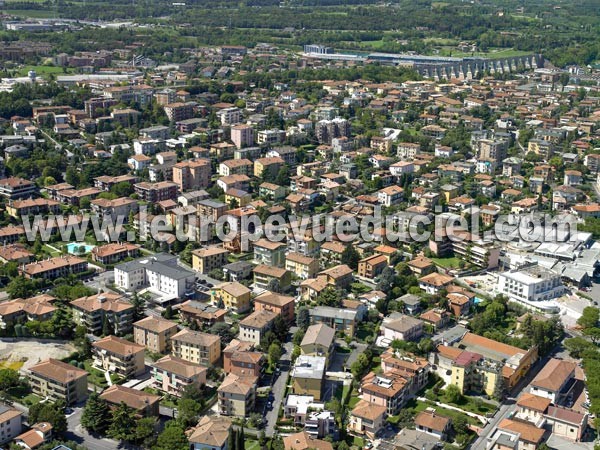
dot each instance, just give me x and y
(95, 376)
(35, 13)
(30, 399)
(353, 402)
(447, 263)
(422, 406)
(358, 442)
(43, 70)
(13, 365)
(251, 445)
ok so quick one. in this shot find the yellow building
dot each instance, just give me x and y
(154, 333)
(206, 259)
(233, 295)
(303, 267)
(196, 347)
(308, 375)
(237, 395)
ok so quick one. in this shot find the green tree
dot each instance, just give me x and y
(8, 378)
(188, 412)
(172, 438)
(122, 425)
(452, 394)
(96, 416)
(144, 432)
(589, 317)
(139, 305)
(274, 353)
(350, 257)
(53, 413)
(303, 318)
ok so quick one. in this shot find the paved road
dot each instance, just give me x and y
(278, 389)
(77, 434)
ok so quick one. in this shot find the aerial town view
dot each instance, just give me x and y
(300, 224)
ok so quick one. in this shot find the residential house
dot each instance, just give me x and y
(203, 314)
(211, 433)
(433, 424)
(555, 381)
(304, 441)
(367, 419)
(10, 423)
(303, 267)
(341, 320)
(435, 282)
(372, 266)
(263, 276)
(401, 327)
(143, 403)
(269, 253)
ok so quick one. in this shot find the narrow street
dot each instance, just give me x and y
(278, 389)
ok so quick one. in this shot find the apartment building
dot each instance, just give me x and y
(434, 282)
(308, 375)
(210, 258)
(21, 310)
(555, 381)
(241, 358)
(237, 395)
(52, 268)
(303, 267)
(264, 275)
(160, 273)
(172, 375)
(389, 389)
(270, 165)
(14, 188)
(229, 116)
(179, 111)
(115, 252)
(341, 320)
(232, 296)
(33, 206)
(196, 347)
(192, 175)
(93, 310)
(319, 340)
(157, 192)
(114, 209)
(372, 266)
(236, 167)
(282, 305)
(254, 327)
(56, 380)
(242, 136)
(154, 333)
(118, 356)
(269, 253)
(530, 284)
(402, 327)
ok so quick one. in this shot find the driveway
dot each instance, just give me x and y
(278, 389)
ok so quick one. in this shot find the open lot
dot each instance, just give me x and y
(31, 352)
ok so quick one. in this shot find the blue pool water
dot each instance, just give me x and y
(477, 300)
(79, 248)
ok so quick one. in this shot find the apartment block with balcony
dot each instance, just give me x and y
(389, 389)
(91, 311)
(237, 395)
(172, 375)
(254, 327)
(143, 403)
(303, 267)
(192, 175)
(206, 259)
(241, 358)
(57, 380)
(308, 375)
(119, 357)
(269, 253)
(367, 419)
(154, 333)
(196, 347)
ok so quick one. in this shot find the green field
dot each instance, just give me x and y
(42, 70)
(34, 13)
(447, 263)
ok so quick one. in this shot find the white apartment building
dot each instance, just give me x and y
(530, 284)
(159, 273)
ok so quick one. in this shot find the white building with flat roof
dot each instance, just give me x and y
(530, 284)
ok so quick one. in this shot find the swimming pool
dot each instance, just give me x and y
(79, 248)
